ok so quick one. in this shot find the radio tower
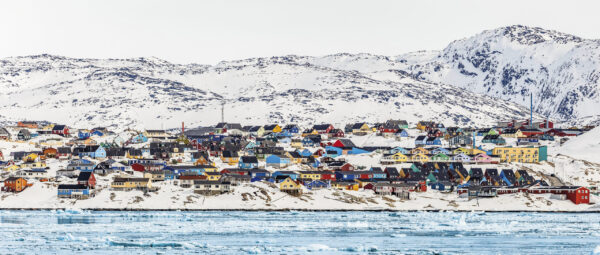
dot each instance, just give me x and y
(531, 110)
(223, 111)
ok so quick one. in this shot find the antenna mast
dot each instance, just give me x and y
(223, 111)
(531, 110)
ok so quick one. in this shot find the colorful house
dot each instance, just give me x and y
(77, 191)
(521, 154)
(248, 162)
(14, 184)
(278, 161)
(290, 186)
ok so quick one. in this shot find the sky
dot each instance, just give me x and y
(207, 32)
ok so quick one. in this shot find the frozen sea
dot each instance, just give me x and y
(233, 232)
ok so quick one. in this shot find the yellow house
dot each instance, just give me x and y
(156, 134)
(517, 154)
(229, 157)
(295, 158)
(296, 143)
(212, 176)
(31, 157)
(361, 128)
(272, 129)
(290, 186)
(461, 150)
(203, 161)
(312, 175)
(419, 158)
(48, 127)
(130, 183)
(128, 155)
(513, 134)
(422, 125)
(419, 150)
(309, 132)
(11, 168)
(362, 183)
(345, 185)
(33, 165)
(210, 168)
(89, 141)
(399, 157)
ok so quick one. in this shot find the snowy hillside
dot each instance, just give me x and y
(562, 71)
(150, 93)
(584, 147)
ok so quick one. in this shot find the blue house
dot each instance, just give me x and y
(259, 173)
(139, 138)
(291, 129)
(433, 141)
(355, 151)
(316, 163)
(305, 153)
(97, 133)
(99, 153)
(278, 161)
(317, 184)
(293, 175)
(379, 174)
(401, 133)
(347, 175)
(311, 141)
(178, 170)
(73, 191)
(333, 152)
(399, 149)
(83, 135)
(439, 150)
(248, 162)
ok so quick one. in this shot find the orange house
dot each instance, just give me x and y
(15, 184)
(27, 124)
(50, 152)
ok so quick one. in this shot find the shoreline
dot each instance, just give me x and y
(290, 210)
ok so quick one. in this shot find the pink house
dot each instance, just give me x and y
(483, 158)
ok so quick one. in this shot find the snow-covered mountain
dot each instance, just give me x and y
(562, 71)
(149, 92)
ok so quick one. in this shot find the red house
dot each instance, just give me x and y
(323, 128)
(388, 128)
(138, 167)
(60, 130)
(328, 176)
(336, 133)
(531, 132)
(344, 144)
(577, 194)
(347, 167)
(87, 178)
(561, 133)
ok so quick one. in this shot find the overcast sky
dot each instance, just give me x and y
(209, 31)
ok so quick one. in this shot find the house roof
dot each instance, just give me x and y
(72, 186)
(59, 127)
(249, 159)
(84, 176)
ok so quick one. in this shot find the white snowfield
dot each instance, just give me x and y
(267, 196)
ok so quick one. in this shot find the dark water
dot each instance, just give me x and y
(222, 232)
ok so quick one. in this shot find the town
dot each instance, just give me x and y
(392, 159)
